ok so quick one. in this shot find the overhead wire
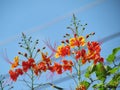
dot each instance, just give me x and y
(54, 21)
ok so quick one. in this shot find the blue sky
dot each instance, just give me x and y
(43, 19)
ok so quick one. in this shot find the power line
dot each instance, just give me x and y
(79, 10)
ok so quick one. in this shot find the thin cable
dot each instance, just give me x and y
(56, 20)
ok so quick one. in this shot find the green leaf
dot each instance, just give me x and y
(108, 68)
(102, 88)
(85, 83)
(87, 74)
(116, 50)
(115, 81)
(114, 70)
(101, 72)
(112, 56)
(89, 71)
(99, 86)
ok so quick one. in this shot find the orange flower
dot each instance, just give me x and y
(98, 58)
(14, 74)
(35, 69)
(51, 68)
(93, 47)
(77, 41)
(81, 55)
(45, 58)
(67, 65)
(27, 64)
(62, 51)
(58, 68)
(78, 54)
(31, 61)
(15, 63)
(94, 52)
(19, 71)
(81, 87)
(42, 66)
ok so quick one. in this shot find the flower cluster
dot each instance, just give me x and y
(76, 46)
(39, 67)
(62, 51)
(81, 50)
(20, 67)
(78, 49)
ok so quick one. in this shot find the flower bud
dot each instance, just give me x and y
(38, 50)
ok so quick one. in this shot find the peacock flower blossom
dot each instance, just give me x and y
(28, 64)
(25, 66)
(94, 52)
(94, 47)
(58, 68)
(77, 41)
(14, 74)
(67, 65)
(81, 55)
(19, 71)
(15, 63)
(45, 58)
(81, 87)
(42, 66)
(62, 51)
(35, 69)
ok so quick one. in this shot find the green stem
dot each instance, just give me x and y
(28, 46)
(32, 84)
(1, 85)
(78, 72)
(75, 24)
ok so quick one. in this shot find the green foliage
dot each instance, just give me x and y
(103, 72)
(100, 72)
(112, 56)
(90, 70)
(100, 86)
(108, 68)
(85, 83)
(115, 81)
(114, 70)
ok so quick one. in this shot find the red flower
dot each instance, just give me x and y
(13, 75)
(35, 69)
(93, 46)
(58, 68)
(42, 66)
(25, 66)
(62, 51)
(31, 61)
(81, 54)
(67, 65)
(51, 68)
(98, 59)
(94, 52)
(45, 58)
(78, 55)
(19, 71)
(77, 41)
